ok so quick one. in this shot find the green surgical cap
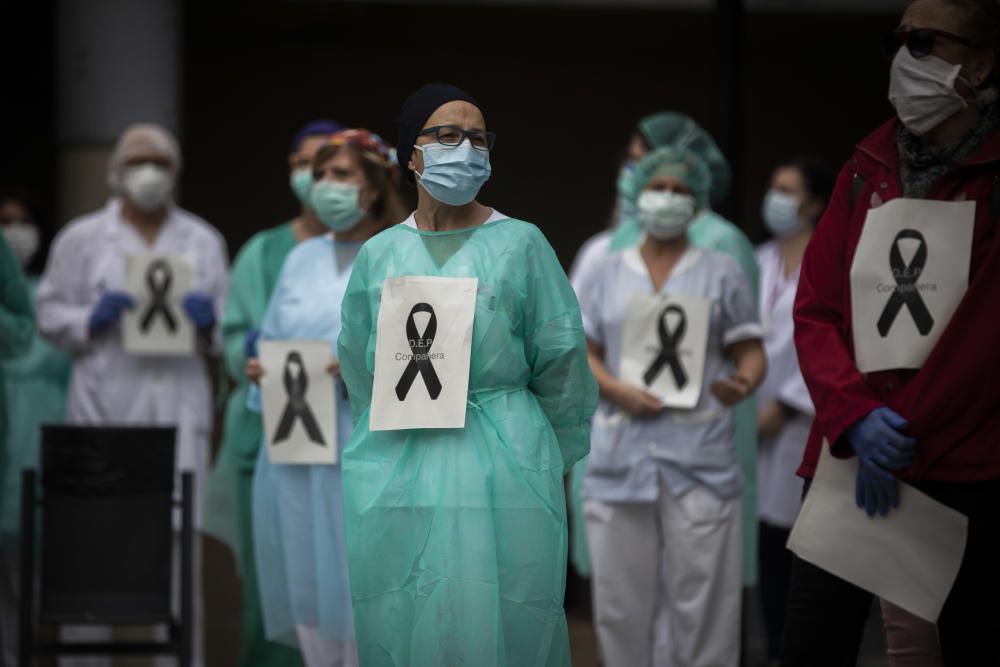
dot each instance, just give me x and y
(669, 128)
(680, 163)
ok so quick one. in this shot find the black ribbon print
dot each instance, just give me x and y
(906, 292)
(669, 348)
(159, 278)
(420, 362)
(297, 407)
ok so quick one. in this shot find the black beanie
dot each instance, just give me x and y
(417, 108)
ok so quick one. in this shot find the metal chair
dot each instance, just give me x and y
(107, 508)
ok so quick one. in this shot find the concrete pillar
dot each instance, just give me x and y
(118, 62)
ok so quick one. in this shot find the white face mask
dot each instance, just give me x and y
(148, 186)
(923, 91)
(781, 213)
(23, 239)
(666, 215)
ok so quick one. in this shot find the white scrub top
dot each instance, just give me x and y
(111, 387)
(780, 489)
(629, 456)
(593, 250)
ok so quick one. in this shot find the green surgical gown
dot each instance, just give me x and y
(35, 385)
(17, 325)
(457, 538)
(229, 497)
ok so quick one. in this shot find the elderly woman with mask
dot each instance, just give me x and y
(81, 299)
(460, 335)
(900, 374)
(664, 321)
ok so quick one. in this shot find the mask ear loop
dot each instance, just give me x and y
(418, 174)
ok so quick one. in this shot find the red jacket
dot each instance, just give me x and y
(953, 402)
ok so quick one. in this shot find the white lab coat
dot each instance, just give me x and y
(110, 386)
(779, 456)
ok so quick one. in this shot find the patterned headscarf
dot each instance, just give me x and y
(372, 147)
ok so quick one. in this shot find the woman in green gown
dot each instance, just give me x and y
(457, 537)
(33, 380)
(229, 498)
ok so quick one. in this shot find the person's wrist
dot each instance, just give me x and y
(614, 391)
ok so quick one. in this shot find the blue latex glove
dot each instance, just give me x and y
(250, 343)
(200, 309)
(109, 309)
(881, 447)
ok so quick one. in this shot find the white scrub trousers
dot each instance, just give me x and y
(667, 579)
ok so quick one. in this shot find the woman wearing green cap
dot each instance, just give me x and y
(666, 325)
(709, 230)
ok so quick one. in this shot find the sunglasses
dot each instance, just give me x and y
(919, 41)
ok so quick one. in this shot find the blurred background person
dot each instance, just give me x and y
(934, 426)
(298, 509)
(35, 391)
(709, 230)
(229, 496)
(662, 490)
(81, 299)
(17, 327)
(798, 194)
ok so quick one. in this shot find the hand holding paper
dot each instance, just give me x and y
(731, 391)
(637, 402)
(109, 309)
(881, 446)
(201, 310)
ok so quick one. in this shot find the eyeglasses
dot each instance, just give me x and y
(919, 41)
(452, 135)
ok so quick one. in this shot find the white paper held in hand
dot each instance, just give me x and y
(299, 406)
(909, 558)
(158, 325)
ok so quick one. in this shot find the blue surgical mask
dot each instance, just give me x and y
(336, 204)
(781, 213)
(302, 182)
(454, 174)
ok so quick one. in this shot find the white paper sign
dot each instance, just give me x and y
(664, 346)
(910, 271)
(297, 396)
(157, 325)
(910, 557)
(423, 349)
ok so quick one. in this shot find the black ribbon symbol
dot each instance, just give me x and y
(669, 353)
(297, 407)
(906, 292)
(159, 277)
(420, 362)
